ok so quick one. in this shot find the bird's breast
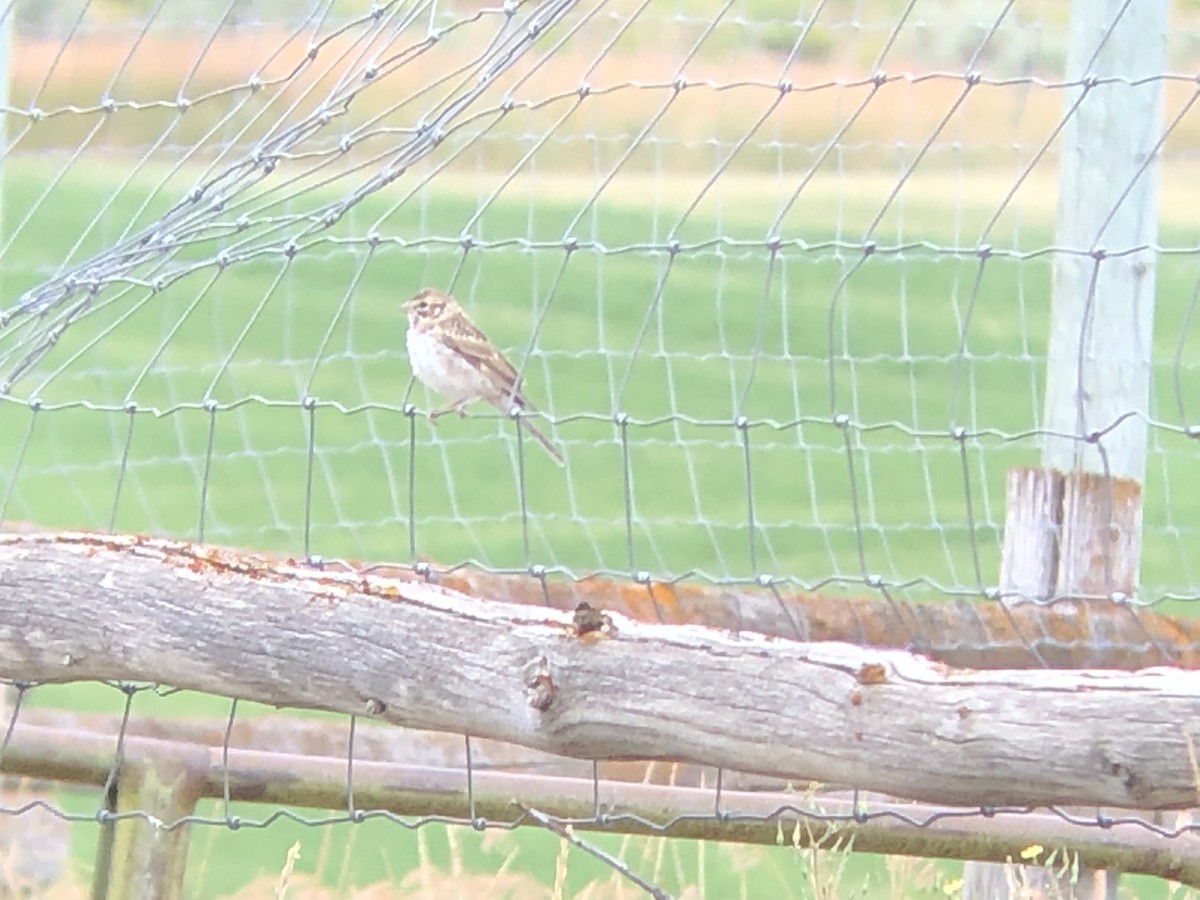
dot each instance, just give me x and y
(442, 369)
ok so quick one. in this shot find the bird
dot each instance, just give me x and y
(453, 358)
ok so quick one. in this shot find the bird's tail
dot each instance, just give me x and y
(544, 441)
(505, 402)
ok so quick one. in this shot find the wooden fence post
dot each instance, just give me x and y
(1101, 335)
(140, 855)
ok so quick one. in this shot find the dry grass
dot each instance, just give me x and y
(904, 112)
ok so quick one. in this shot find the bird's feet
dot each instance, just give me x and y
(434, 415)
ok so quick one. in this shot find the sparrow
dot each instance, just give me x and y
(453, 358)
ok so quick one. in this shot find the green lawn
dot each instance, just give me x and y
(680, 370)
(721, 341)
(731, 334)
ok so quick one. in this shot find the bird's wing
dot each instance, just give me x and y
(462, 336)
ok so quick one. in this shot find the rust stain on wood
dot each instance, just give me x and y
(872, 673)
(975, 633)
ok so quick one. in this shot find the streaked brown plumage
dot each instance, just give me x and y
(453, 358)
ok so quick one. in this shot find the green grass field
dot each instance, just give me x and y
(916, 349)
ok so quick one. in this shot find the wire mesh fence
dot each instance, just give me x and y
(786, 287)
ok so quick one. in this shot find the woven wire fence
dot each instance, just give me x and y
(778, 279)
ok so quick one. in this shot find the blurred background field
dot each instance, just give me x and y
(922, 341)
(914, 340)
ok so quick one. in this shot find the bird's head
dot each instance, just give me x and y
(427, 305)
